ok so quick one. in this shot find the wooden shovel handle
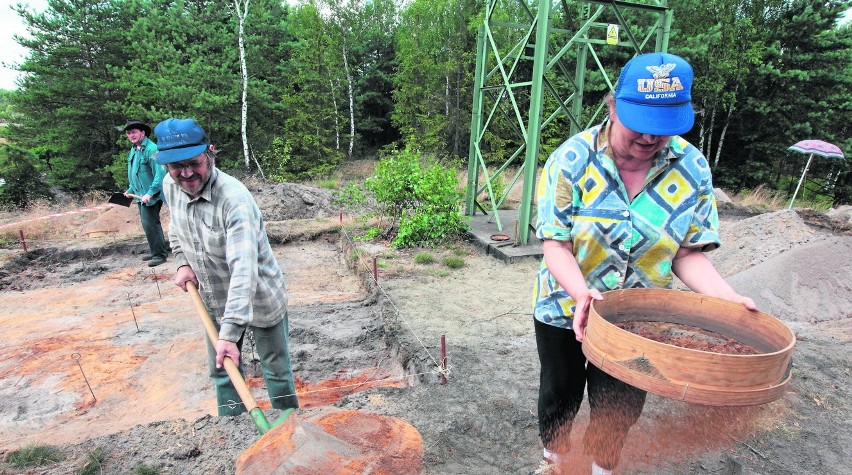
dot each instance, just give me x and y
(213, 334)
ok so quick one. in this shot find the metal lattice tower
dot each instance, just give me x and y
(530, 75)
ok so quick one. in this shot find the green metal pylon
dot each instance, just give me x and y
(520, 91)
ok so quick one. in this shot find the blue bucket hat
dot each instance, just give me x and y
(654, 96)
(179, 139)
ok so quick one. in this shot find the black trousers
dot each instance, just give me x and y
(614, 405)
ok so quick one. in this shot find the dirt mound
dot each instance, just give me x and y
(750, 241)
(120, 221)
(804, 284)
(283, 201)
(842, 214)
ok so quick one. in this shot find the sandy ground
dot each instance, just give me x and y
(103, 354)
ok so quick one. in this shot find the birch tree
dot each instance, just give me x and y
(241, 9)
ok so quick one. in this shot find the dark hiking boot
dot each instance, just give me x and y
(156, 260)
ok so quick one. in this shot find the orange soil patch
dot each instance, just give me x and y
(346, 382)
(85, 339)
(336, 441)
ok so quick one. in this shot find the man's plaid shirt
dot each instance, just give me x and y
(222, 236)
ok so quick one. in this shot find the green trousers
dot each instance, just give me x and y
(274, 353)
(150, 216)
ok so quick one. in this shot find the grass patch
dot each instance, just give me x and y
(143, 469)
(760, 198)
(328, 184)
(459, 250)
(424, 258)
(382, 265)
(35, 456)
(94, 463)
(454, 262)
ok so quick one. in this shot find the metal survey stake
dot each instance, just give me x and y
(156, 281)
(132, 312)
(76, 357)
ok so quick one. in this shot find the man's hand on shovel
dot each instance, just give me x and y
(226, 348)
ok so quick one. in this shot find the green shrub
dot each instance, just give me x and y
(94, 463)
(421, 195)
(352, 197)
(424, 258)
(34, 456)
(393, 183)
(23, 182)
(453, 262)
(370, 233)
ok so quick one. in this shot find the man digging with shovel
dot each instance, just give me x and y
(220, 245)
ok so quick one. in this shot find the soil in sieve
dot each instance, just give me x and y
(687, 336)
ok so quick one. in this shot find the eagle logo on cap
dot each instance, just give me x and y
(661, 71)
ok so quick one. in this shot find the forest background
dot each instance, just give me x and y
(328, 81)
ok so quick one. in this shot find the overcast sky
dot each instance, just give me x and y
(12, 52)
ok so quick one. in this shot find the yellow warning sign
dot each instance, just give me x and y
(612, 34)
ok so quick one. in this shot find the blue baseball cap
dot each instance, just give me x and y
(179, 139)
(654, 96)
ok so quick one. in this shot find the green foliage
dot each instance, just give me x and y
(94, 463)
(6, 109)
(424, 258)
(143, 469)
(35, 456)
(454, 262)
(24, 184)
(498, 187)
(283, 163)
(370, 234)
(393, 182)
(436, 52)
(770, 86)
(118, 171)
(423, 197)
(328, 75)
(352, 197)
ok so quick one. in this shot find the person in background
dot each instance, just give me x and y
(146, 183)
(625, 204)
(219, 241)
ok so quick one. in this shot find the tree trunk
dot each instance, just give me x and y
(242, 13)
(710, 133)
(701, 131)
(336, 116)
(351, 102)
(457, 116)
(722, 137)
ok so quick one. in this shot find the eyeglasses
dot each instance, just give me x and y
(177, 167)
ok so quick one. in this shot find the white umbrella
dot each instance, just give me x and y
(813, 147)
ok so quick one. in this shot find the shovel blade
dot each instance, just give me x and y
(335, 441)
(120, 199)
